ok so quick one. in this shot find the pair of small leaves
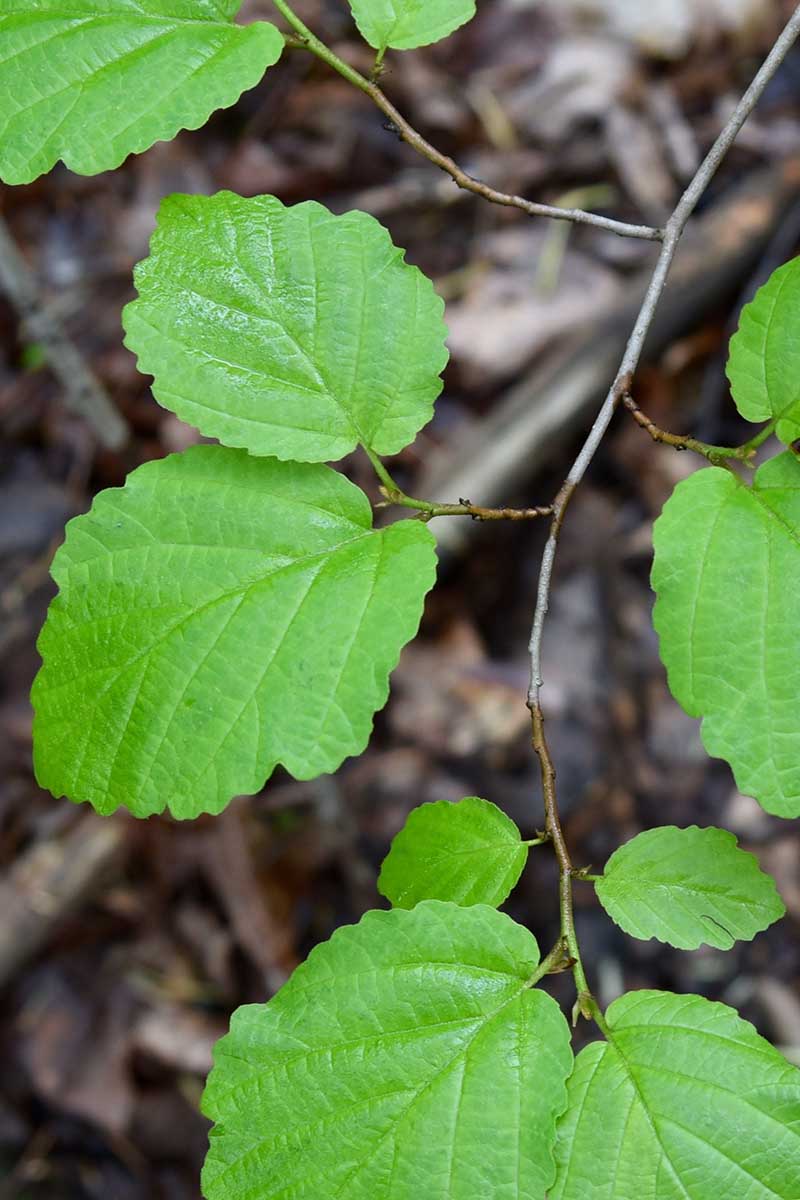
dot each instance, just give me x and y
(685, 887)
(92, 81)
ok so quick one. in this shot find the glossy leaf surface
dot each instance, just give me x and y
(92, 81)
(218, 615)
(727, 576)
(286, 331)
(686, 1102)
(469, 852)
(407, 1057)
(688, 887)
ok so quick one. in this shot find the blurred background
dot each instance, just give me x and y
(124, 946)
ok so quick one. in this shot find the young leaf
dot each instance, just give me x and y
(218, 615)
(686, 887)
(404, 24)
(727, 574)
(764, 363)
(92, 81)
(408, 1057)
(286, 331)
(469, 852)
(686, 1102)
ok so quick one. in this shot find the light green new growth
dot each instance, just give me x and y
(286, 331)
(218, 615)
(687, 887)
(92, 81)
(469, 852)
(404, 24)
(727, 576)
(686, 1102)
(764, 363)
(408, 1057)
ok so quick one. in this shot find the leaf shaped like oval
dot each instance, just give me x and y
(405, 24)
(727, 576)
(684, 1102)
(286, 331)
(469, 852)
(409, 1056)
(687, 887)
(764, 363)
(92, 81)
(218, 615)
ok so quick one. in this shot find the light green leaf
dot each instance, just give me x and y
(686, 887)
(764, 363)
(686, 1102)
(727, 574)
(408, 1057)
(469, 852)
(92, 81)
(218, 615)
(404, 24)
(287, 331)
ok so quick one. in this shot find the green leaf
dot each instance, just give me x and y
(764, 363)
(727, 574)
(469, 852)
(686, 1102)
(218, 615)
(92, 81)
(404, 24)
(286, 331)
(408, 1057)
(686, 887)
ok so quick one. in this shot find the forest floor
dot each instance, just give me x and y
(125, 945)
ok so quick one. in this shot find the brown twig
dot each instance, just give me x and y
(397, 124)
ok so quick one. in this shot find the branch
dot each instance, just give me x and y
(633, 351)
(717, 455)
(427, 509)
(406, 132)
(619, 389)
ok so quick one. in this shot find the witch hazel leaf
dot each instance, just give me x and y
(286, 331)
(683, 1102)
(469, 852)
(727, 577)
(404, 24)
(219, 615)
(687, 887)
(92, 81)
(764, 363)
(408, 1057)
